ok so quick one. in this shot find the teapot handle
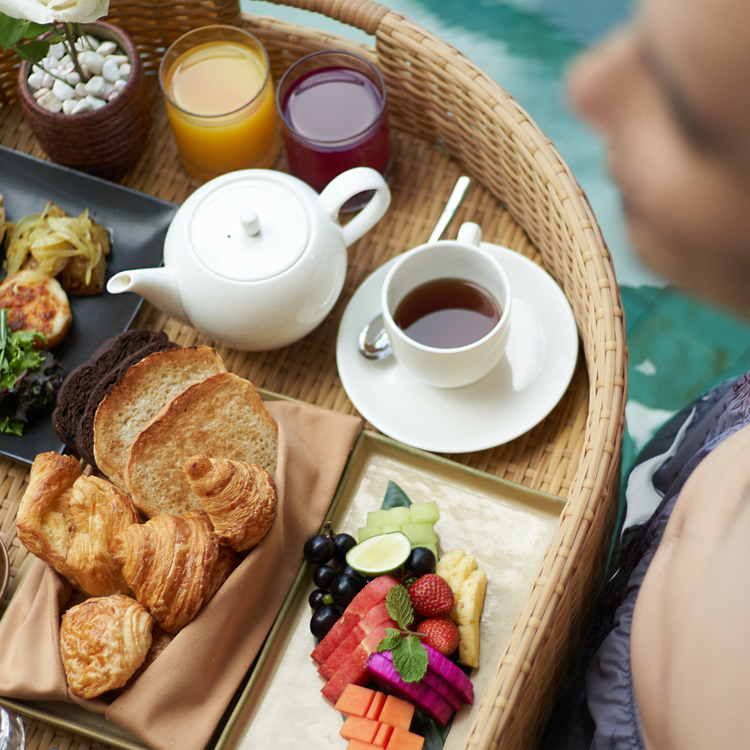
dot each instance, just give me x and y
(340, 189)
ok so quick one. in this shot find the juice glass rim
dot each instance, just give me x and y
(280, 108)
(201, 30)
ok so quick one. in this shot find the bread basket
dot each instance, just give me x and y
(448, 118)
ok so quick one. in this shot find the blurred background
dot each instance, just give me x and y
(678, 345)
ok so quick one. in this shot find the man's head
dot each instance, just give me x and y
(671, 95)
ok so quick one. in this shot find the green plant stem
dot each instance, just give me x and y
(70, 38)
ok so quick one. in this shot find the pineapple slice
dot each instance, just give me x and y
(469, 606)
(454, 567)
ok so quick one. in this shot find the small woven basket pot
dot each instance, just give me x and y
(107, 141)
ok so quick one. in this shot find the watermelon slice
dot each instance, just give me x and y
(354, 669)
(373, 593)
(378, 615)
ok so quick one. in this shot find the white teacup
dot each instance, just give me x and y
(447, 362)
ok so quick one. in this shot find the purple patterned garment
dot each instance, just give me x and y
(711, 419)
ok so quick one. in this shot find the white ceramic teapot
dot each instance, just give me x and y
(257, 258)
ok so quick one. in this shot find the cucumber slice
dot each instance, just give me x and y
(424, 513)
(365, 532)
(420, 533)
(378, 518)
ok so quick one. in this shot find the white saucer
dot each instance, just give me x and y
(516, 395)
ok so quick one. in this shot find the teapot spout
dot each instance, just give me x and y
(157, 285)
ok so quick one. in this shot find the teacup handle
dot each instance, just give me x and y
(340, 189)
(469, 233)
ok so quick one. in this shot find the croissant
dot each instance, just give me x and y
(174, 564)
(240, 498)
(103, 641)
(44, 518)
(98, 511)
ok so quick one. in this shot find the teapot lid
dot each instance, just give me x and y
(249, 228)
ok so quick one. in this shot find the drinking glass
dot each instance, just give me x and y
(218, 90)
(12, 735)
(332, 107)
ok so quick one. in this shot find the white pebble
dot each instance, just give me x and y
(119, 59)
(85, 70)
(50, 102)
(57, 50)
(120, 85)
(82, 106)
(80, 44)
(63, 90)
(35, 80)
(106, 48)
(108, 89)
(69, 105)
(125, 71)
(93, 61)
(94, 102)
(112, 95)
(47, 81)
(81, 90)
(64, 60)
(40, 93)
(37, 69)
(95, 86)
(110, 71)
(73, 78)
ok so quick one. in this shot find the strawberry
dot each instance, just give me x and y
(441, 633)
(431, 596)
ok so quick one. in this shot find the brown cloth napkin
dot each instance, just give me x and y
(178, 701)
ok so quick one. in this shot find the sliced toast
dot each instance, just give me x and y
(223, 417)
(141, 392)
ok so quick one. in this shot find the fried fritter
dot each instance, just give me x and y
(36, 302)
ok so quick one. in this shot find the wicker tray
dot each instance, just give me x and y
(448, 118)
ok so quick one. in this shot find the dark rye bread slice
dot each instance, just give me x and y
(85, 433)
(222, 417)
(141, 392)
(76, 388)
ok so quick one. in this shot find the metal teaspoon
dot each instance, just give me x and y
(373, 340)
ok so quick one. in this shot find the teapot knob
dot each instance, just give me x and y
(250, 222)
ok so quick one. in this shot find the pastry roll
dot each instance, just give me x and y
(240, 498)
(174, 564)
(103, 641)
(44, 518)
(98, 511)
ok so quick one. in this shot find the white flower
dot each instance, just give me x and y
(55, 11)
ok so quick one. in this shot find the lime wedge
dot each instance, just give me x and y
(379, 554)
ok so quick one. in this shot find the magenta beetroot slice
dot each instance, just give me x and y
(438, 684)
(427, 700)
(373, 593)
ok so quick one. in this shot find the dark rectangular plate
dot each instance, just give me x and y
(137, 223)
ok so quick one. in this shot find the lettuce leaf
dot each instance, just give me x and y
(29, 378)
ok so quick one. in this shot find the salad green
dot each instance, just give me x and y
(29, 378)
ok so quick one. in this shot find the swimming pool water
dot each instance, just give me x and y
(678, 345)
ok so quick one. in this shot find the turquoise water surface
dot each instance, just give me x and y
(678, 345)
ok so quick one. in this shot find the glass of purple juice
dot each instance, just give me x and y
(332, 106)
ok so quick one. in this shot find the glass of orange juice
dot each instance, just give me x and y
(219, 96)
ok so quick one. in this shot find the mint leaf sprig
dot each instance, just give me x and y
(409, 654)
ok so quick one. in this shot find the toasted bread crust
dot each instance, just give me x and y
(223, 417)
(142, 391)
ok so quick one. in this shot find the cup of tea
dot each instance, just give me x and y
(332, 107)
(446, 310)
(218, 90)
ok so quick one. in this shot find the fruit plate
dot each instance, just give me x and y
(506, 526)
(137, 224)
